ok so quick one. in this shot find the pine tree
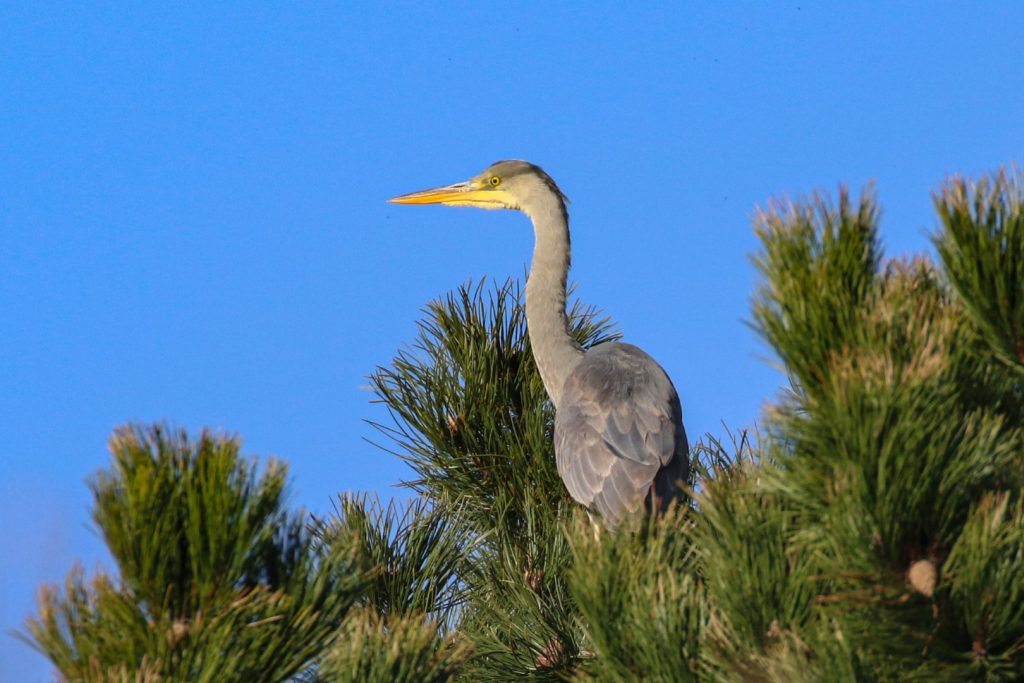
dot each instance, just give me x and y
(873, 531)
(216, 580)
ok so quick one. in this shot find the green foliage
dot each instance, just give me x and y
(217, 582)
(983, 576)
(982, 249)
(640, 597)
(819, 262)
(182, 519)
(414, 555)
(519, 615)
(761, 586)
(400, 649)
(883, 448)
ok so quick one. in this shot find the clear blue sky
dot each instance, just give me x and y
(193, 225)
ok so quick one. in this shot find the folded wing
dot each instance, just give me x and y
(619, 432)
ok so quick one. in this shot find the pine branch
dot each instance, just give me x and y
(217, 582)
(818, 263)
(982, 249)
(396, 649)
(898, 427)
(414, 554)
(641, 599)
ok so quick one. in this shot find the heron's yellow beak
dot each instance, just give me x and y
(459, 194)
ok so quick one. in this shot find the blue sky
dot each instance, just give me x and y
(193, 224)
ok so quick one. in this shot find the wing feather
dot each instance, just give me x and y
(619, 432)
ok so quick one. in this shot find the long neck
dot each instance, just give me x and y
(554, 350)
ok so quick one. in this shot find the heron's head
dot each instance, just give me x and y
(512, 184)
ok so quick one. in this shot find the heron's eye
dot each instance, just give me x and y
(494, 181)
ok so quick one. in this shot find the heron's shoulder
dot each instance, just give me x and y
(618, 352)
(616, 367)
(618, 357)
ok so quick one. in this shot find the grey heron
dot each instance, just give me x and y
(619, 437)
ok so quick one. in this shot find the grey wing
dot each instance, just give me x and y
(619, 432)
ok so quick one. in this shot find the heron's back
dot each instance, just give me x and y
(619, 432)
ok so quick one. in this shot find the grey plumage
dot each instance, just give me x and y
(619, 437)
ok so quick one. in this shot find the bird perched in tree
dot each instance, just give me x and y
(619, 437)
